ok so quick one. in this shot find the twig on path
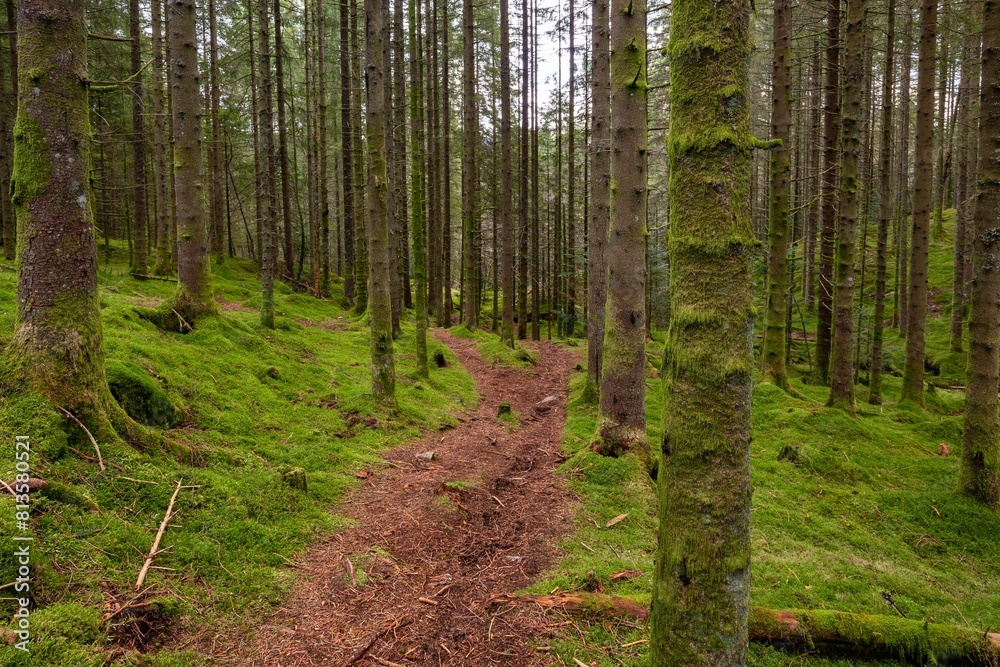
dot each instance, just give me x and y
(360, 653)
(100, 461)
(153, 550)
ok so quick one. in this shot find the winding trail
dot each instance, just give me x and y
(435, 539)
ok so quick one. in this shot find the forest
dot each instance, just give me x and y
(553, 332)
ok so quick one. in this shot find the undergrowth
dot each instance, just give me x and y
(249, 404)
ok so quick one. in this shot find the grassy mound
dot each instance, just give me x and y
(245, 406)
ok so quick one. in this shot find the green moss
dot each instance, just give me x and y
(32, 171)
(140, 396)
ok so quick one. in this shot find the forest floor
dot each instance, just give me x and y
(433, 540)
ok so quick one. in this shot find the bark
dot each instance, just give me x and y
(903, 188)
(780, 194)
(913, 370)
(399, 158)
(622, 421)
(981, 436)
(394, 187)
(701, 583)
(418, 225)
(216, 227)
(164, 246)
(288, 256)
(380, 305)
(57, 347)
(570, 268)
(469, 177)
(842, 355)
(831, 139)
(361, 260)
(434, 301)
(506, 215)
(8, 226)
(600, 198)
(140, 220)
(884, 211)
(194, 297)
(322, 253)
(536, 267)
(265, 217)
(347, 154)
(523, 195)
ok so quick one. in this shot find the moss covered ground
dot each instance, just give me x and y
(855, 510)
(249, 406)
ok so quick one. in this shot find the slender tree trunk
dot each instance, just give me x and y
(404, 298)
(418, 225)
(701, 583)
(448, 305)
(780, 193)
(347, 153)
(884, 211)
(469, 176)
(7, 222)
(57, 347)
(600, 197)
(434, 302)
(963, 122)
(361, 257)
(536, 267)
(940, 177)
(323, 264)
(913, 371)
(194, 297)
(164, 246)
(903, 208)
(842, 356)
(621, 425)
(815, 178)
(216, 227)
(571, 183)
(286, 190)
(380, 308)
(265, 217)
(981, 435)
(831, 140)
(506, 217)
(140, 221)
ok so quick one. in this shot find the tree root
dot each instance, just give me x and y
(860, 635)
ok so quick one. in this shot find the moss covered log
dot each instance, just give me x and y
(701, 583)
(57, 348)
(858, 635)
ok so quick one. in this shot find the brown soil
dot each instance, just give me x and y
(434, 540)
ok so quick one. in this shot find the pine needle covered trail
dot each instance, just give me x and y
(434, 539)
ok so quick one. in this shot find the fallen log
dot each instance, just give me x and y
(860, 635)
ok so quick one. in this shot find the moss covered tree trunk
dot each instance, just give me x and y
(831, 139)
(913, 370)
(842, 354)
(701, 583)
(622, 422)
(781, 168)
(418, 224)
(600, 197)
(194, 298)
(885, 210)
(380, 265)
(981, 436)
(9, 226)
(57, 348)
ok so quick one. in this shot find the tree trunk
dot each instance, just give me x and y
(469, 177)
(831, 140)
(404, 299)
(265, 217)
(701, 583)
(780, 193)
(884, 211)
(536, 267)
(523, 194)
(981, 435)
(8, 226)
(963, 121)
(347, 154)
(600, 198)
(194, 297)
(506, 216)
(903, 186)
(571, 182)
(621, 425)
(57, 347)
(361, 259)
(380, 304)
(322, 253)
(913, 371)
(288, 262)
(164, 246)
(140, 222)
(418, 224)
(842, 355)
(216, 229)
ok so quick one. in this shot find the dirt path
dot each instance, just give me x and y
(435, 539)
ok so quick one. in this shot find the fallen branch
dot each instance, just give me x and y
(867, 635)
(361, 652)
(100, 461)
(153, 550)
(34, 484)
(183, 322)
